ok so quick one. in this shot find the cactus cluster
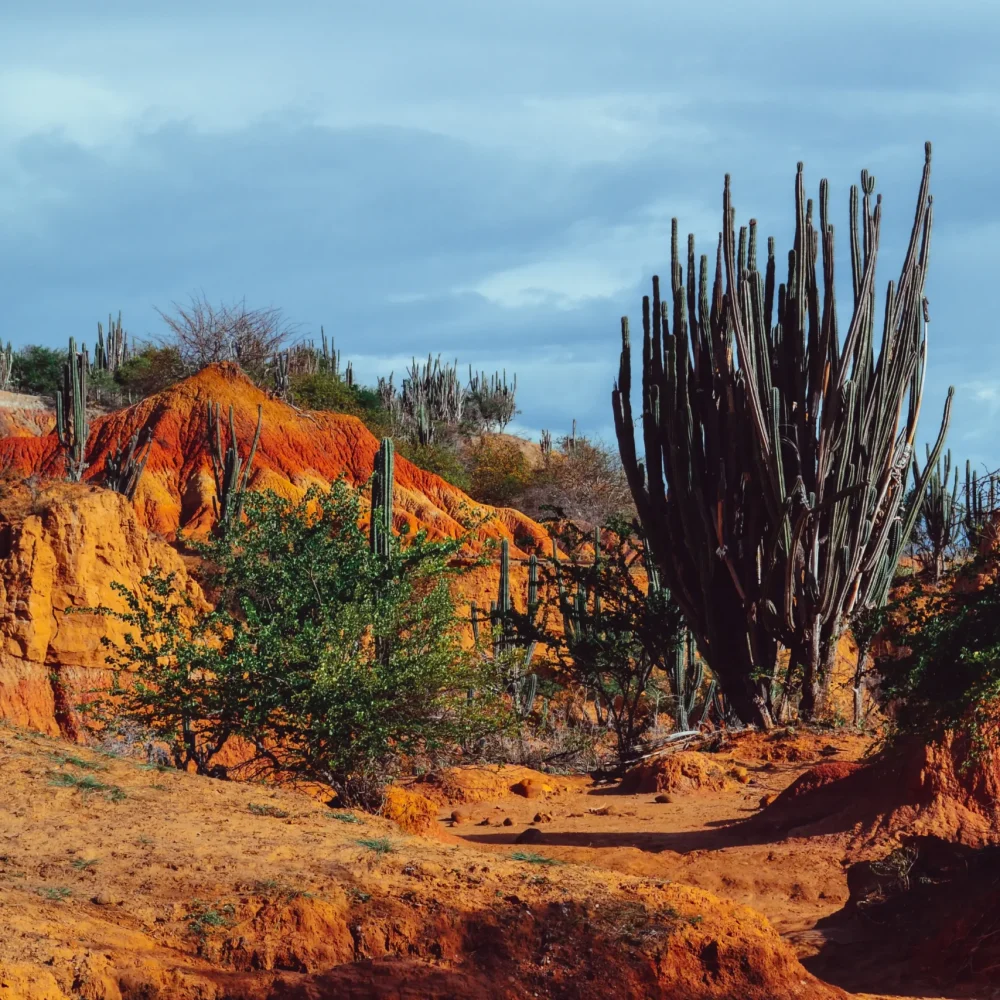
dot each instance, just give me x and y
(123, 469)
(686, 674)
(979, 508)
(430, 396)
(280, 369)
(72, 422)
(773, 491)
(114, 350)
(230, 471)
(307, 359)
(493, 399)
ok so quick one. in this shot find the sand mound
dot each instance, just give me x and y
(452, 786)
(911, 791)
(118, 882)
(685, 771)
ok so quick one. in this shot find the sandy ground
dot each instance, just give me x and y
(696, 839)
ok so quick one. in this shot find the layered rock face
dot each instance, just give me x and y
(62, 548)
(65, 544)
(25, 416)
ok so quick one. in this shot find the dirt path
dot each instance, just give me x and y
(696, 839)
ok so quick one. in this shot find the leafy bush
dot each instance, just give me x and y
(322, 390)
(499, 471)
(151, 370)
(440, 459)
(38, 370)
(948, 677)
(330, 661)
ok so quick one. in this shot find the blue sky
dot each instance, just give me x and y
(494, 182)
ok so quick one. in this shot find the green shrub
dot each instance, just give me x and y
(328, 659)
(150, 371)
(440, 459)
(38, 370)
(949, 675)
(499, 471)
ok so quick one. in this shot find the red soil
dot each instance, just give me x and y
(172, 887)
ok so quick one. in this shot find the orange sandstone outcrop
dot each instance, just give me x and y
(60, 548)
(64, 545)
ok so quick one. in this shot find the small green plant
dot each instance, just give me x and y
(345, 817)
(534, 859)
(379, 845)
(83, 864)
(264, 810)
(86, 784)
(56, 893)
(277, 888)
(84, 765)
(357, 895)
(202, 917)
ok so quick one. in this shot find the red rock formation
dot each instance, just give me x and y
(66, 545)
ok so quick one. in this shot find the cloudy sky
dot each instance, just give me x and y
(494, 182)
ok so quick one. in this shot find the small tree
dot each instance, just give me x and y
(288, 659)
(203, 334)
(499, 471)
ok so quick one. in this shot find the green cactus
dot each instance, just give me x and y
(280, 368)
(686, 674)
(938, 523)
(231, 472)
(493, 399)
(7, 367)
(512, 633)
(383, 475)
(72, 422)
(773, 494)
(123, 469)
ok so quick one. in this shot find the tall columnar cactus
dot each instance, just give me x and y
(282, 378)
(72, 423)
(686, 674)
(511, 633)
(979, 509)
(939, 521)
(380, 526)
(112, 352)
(123, 469)
(380, 523)
(6, 367)
(773, 488)
(231, 472)
(545, 444)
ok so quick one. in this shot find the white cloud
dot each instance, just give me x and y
(601, 262)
